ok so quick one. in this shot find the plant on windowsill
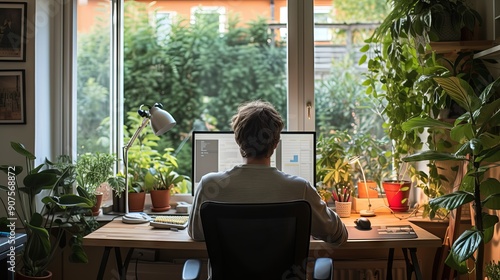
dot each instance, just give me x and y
(477, 132)
(46, 229)
(165, 180)
(92, 171)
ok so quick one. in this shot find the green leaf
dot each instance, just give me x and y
(71, 200)
(465, 245)
(20, 149)
(452, 200)
(431, 155)
(364, 48)
(419, 122)
(489, 222)
(9, 168)
(38, 181)
(490, 188)
(460, 91)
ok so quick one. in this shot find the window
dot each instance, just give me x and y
(199, 74)
(322, 15)
(211, 16)
(164, 21)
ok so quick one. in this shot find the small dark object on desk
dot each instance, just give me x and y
(363, 223)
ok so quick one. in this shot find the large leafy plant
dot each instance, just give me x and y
(40, 224)
(477, 132)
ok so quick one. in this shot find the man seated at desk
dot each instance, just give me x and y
(257, 127)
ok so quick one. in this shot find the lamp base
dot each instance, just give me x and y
(367, 213)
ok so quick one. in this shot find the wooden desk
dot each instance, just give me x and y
(120, 235)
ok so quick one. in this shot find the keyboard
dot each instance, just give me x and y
(170, 221)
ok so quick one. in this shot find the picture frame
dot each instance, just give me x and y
(13, 17)
(12, 97)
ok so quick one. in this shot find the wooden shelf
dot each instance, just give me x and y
(457, 46)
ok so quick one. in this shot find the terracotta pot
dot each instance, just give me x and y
(20, 276)
(160, 200)
(97, 207)
(136, 201)
(397, 199)
(372, 189)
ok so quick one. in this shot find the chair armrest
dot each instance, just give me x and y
(323, 269)
(191, 270)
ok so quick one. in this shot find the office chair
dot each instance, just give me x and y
(258, 241)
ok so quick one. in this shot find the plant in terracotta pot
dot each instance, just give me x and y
(369, 162)
(477, 132)
(46, 229)
(165, 180)
(93, 170)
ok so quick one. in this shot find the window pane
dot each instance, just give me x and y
(93, 80)
(200, 64)
(343, 109)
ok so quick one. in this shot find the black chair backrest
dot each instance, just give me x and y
(257, 241)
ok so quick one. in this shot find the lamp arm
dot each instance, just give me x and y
(125, 149)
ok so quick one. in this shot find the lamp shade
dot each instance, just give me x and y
(161, 120)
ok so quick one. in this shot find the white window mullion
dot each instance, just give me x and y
(116, 76)
(300, 65)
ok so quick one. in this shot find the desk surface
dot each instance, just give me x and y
(118, 234)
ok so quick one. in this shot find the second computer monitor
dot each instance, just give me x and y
(216, 151)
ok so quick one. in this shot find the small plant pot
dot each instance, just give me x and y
(396, 197)
(371, 186)
(343, 208)
(160, 200)
(136, 202)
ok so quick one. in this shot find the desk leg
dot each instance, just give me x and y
(414, 260)
(119, 264)
(389, 264)
(104, 262)
(409, 265)
(127, 261)
(412, 266)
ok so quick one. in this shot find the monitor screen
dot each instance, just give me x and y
(216, 151)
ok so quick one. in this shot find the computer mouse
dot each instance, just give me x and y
(363, 223)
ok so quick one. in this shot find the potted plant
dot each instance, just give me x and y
(477, 132)
(436, 20)
(165, 180)
(405, 90)
(92, 170)
(45, 229)
(333, 172)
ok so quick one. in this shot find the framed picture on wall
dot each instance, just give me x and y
(12, 31)
(12, 97)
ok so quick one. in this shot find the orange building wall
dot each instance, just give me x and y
(246, 9)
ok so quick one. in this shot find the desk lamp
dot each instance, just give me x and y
(161, 122)
(369, 212)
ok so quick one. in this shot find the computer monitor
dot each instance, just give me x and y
(216, 151)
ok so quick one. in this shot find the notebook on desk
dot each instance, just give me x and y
(382, 232)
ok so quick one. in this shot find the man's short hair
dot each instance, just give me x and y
(257, 127)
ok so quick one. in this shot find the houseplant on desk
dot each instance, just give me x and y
(40, 224)
(333, 172)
